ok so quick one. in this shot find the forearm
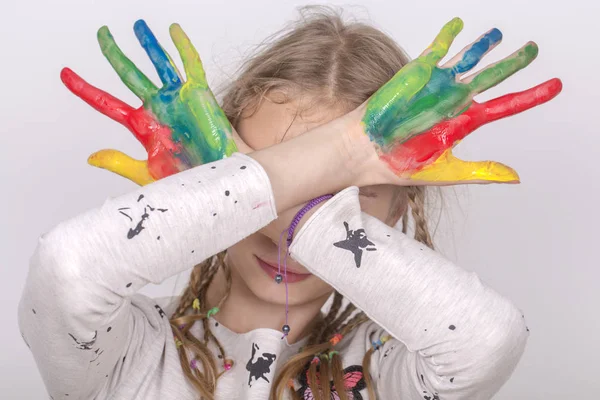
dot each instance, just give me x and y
(320, 161)
(453, 324)
(84, 271)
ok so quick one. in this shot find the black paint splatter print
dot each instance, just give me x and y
(83, 345)
(160, 310)
(388, 351)
(426, 394)
(98, 354)
(260, 367)
(356, 241)
(139, 227)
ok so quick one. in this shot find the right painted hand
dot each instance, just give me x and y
(180, 124)
(416, 118)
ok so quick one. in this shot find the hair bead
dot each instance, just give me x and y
(178, 343)
(379, 342)
(335, 339)
(196, 304)
(212, 312)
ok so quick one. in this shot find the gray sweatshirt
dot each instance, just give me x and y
(94, 337)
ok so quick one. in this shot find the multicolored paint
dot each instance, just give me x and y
(428, 157)
(415, 117)
(180, 124)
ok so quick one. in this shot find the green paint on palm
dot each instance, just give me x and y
(384, 105)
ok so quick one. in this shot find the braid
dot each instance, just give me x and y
(355, 321)
(204, 283)
(191, 291)
(208, 335)
(416, 200)
(350, 308)
(322, 333)
(201, 370)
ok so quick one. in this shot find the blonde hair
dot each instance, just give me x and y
(342, 63)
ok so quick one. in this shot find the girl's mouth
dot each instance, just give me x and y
(272, 271)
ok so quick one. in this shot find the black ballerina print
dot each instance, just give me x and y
(260, 367)
(356, 241)
(139, 227)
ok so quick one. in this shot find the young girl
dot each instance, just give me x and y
(310, 122)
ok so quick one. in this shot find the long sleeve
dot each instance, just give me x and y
(459, 338)
(78, 312)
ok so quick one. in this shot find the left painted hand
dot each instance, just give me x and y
(180, 124)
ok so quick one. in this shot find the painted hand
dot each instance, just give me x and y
(424, 110)
(180, 124)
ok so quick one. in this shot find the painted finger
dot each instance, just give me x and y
(166, 69)
(191, 59)
(498, 72)
(450, 170)
(515, 103)
(98, 99)
(131, 76)
(120, 163)
(471, 55)
(448, 132)
(442, 42)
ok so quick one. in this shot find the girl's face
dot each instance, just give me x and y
(273, 123)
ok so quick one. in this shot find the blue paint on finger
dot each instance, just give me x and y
(477, 50)
(159, 57)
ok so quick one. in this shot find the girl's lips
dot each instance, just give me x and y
(272, 271)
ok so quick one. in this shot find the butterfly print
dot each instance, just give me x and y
(354, 382)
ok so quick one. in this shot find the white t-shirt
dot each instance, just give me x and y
(94, 337)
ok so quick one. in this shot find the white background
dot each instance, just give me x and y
(534, 242)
